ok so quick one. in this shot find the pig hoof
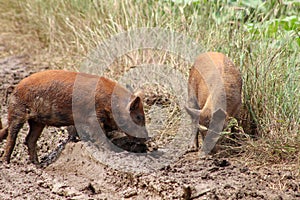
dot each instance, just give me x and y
(73, 139)
(203, 155)
(35, 162)
(192, 149)
(41, 165)
(5, 160)
(5, 165)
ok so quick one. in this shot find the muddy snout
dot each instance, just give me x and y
(132, 129)
(141, 137)
(146, 136)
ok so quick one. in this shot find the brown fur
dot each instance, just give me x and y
(45, 99)
(204, 98)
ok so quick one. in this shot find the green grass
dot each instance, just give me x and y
(262, 38)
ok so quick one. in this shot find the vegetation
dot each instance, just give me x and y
(261, 37)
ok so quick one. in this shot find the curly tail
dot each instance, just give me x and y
(3, 132)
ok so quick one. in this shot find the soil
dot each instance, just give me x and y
(76, 174)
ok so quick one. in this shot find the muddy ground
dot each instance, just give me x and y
(76, 174)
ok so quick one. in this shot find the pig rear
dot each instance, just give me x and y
(213, 81)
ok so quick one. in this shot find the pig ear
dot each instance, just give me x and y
(134, 103)
(193, 112)
(219, 115)
(193, 102)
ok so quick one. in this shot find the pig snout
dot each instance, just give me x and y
(133, 130)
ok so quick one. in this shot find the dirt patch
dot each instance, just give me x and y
(76, 174)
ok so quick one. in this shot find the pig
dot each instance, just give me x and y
(214, 94)
(64, 98)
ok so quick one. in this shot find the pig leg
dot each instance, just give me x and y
(196, 140)
(202, 136)
(13, 130)
(3, 133)
(73, 135)
(194, 146)
(35, 130)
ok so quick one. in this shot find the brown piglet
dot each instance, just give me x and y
(64, 98)
(214, 94)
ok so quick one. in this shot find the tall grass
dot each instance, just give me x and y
(262, 38)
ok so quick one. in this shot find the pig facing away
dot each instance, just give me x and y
(49, 98)
(214, 93)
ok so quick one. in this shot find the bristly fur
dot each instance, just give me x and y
(48, 99)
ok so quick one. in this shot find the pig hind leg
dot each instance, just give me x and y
(194, 146)
(35, 130)
(11, 132)
(3, 133)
